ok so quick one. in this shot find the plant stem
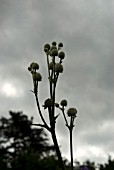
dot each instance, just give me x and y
(57, 149)
(71, 147)
(40, 113)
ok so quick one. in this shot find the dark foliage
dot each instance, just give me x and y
(20, 144)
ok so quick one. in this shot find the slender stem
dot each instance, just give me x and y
(57, 149)
(40, 113)
(64, 117)
(71, 146)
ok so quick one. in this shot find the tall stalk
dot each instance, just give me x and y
(54, 70)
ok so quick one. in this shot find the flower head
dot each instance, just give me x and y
(72, 112)
(61, 55)
(58, 68)
(35, 66)
(54, 52)
(60, 44)
(64, 103)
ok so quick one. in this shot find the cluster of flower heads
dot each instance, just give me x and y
(33, 69)
(36, 76)
(54, 50)
(71, 112)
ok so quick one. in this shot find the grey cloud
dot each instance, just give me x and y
(86, 29)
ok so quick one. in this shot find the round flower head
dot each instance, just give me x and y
(63, 102)
(51, 65)
(72, 112)
(38, 77)
(46, 50)
(31, 64)
(53, 47)
(48, 102)
(54, 52)
(61, 55)
(47, 46)
(54, 43)
(29, 68)
(56, 105)
(35, 66)
(58, 68)
(60, 44)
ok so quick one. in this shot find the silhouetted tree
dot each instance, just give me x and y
(108, 166)
(20, 145)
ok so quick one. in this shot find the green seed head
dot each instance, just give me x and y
(72, 112)
(64, 103)
(58, 68)
(61, 55)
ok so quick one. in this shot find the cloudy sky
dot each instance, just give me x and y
(86, 29)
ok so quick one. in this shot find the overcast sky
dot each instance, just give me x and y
(86, 28)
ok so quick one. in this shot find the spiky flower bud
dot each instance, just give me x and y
(60, 44)
(54, 52)
(61, 55)
(58, 68)
(35, 66)
(72, 112)
(64, 103)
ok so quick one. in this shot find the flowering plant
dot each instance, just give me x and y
(54, 54)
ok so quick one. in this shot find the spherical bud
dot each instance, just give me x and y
(35, 66)
(56, 105)
(64, 103)
(47, 46)
(51, 65)
(58, 68)
(53, 47)
(54, 52)
(72, 112)
(61, 55)
(33, 72)
(29, 68)
(48, 102)
(38, 77)
(54, 43)
(60, 44)
(46, 50)
(31, 64)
